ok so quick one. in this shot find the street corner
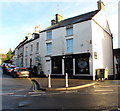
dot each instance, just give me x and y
(71, 88)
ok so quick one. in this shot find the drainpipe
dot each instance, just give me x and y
(113, 57)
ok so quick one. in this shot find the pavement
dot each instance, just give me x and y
(59, 84)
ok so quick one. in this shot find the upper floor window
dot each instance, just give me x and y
(33, 36)
(49, 35)
(37, 47)
(26, 51)
(69, 44)
(49, 48)
(69, 31)
(31, 48)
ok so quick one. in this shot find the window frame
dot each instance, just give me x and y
(49, 50)
(37, 47)
(69, 46)
(49, 35)
(69, 32)
(56, 62)
(31, 48)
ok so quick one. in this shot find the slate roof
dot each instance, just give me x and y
(73, 20)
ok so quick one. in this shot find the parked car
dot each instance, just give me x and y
(20, 72)
(30, 71)
(9, 70)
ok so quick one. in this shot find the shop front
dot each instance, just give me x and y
(73, 65)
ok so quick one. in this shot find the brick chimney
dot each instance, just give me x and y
(58, 18)
(101, 5)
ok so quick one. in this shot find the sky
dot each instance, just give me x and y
(19, 17)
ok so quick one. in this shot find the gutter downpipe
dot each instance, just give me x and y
(113, 57)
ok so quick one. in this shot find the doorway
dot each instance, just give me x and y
(68, 62)
(30, 62)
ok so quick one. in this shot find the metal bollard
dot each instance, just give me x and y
(49, 81)
(66, 77)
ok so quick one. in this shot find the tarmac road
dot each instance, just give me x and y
(18, 95)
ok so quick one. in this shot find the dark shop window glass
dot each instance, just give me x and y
(57, 65)
(82, 65)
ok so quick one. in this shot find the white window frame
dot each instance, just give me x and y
(37, 47)
(49, 35)
(68, 46)
(69, 31)
(31, 48)
(49, 49)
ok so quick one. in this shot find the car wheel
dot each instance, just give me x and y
(15, 76)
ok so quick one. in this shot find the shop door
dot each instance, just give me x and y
(68, 66)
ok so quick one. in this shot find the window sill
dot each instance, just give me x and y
(69, 35)
(48, 56)
(48, 39)
(68, 53)
(37, 53)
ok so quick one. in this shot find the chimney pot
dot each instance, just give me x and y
(58, 18)
(101, 5)
(53, 22)
(37, 29)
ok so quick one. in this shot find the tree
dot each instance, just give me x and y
(9, 55)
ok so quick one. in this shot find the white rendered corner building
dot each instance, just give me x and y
(78, 46)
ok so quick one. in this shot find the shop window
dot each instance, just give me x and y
(56, 65)
(82, 65)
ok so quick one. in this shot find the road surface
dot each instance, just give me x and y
(17, 94)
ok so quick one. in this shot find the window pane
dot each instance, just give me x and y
(31, 48)
(37, 47)
(69, 31)
(56, 65)
(82, 65)
(49, 35)
(49, 48)
(69, 45)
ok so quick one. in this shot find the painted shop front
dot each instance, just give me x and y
(74, 65)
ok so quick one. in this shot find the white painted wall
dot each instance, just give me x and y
(82, 37)
(87, 36)
(31, 55)
(81, 42)
(102, 44)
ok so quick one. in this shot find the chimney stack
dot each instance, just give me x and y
(101, 5)
(53, 22)
(37, 29)
(29, 36)
(58, 18)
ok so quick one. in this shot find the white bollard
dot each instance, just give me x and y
(66, 77)
(49, 81)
